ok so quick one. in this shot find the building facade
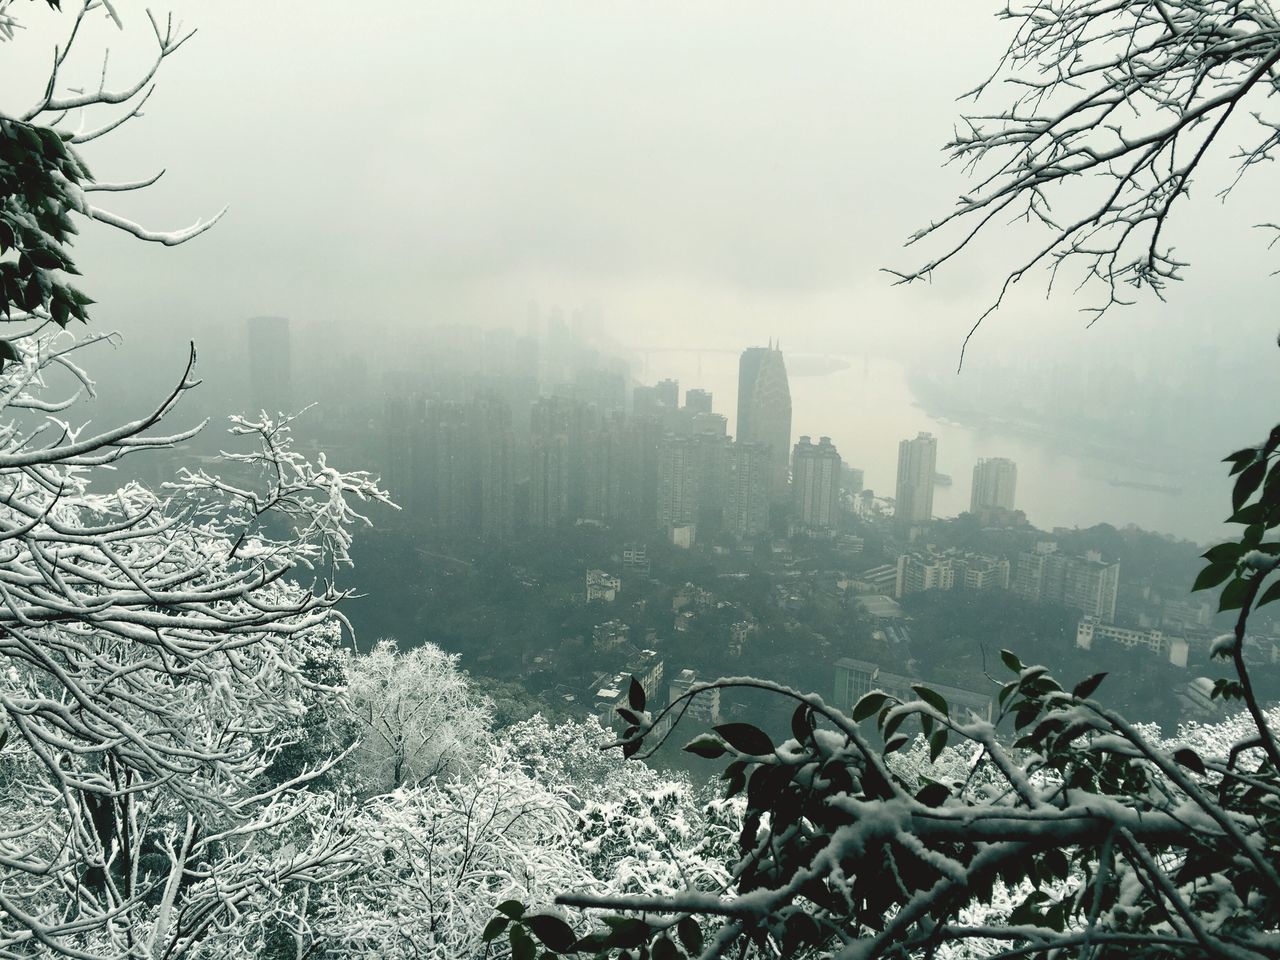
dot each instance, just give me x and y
(764, 411)
(913, 497)
(995, 481)
(815, 484)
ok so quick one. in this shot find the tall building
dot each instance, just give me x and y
(494, 445)
(746, 486)
(815, 483)
(270, 365)
(697, 401)
(448, 467)
(914, 495)
(668, 393)
(994, 481)
(605, 468)
(677, 481)
(764, 411)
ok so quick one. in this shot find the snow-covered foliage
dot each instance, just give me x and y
(415, 716)
(149, 673)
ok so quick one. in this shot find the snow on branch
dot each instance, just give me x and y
(151, 664)
(1106, 111)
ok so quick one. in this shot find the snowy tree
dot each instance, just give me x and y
(1107, 111)
(151, 668)
(45, 183)
(1083, 834)
(415, 716)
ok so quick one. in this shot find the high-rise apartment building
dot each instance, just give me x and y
(815, 483)
(270, 365)
(677, 481)
(917, 460)
(697, 401)
(1088, 584)
(668, 393)
(605, 465)
(764, 411)
(746, 484)
(494, 445)
(994, 481)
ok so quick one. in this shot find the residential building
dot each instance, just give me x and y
(601, 587)
(856, 678)
(746, 486)
(764, 411)
(995, 480)
(703, 708)
(815, 484)
(1088, 584)
(1091, 628)
(493, 444)
(697, 401)
(677, 481)
(610, 635)
(917, 460)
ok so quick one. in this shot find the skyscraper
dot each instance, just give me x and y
(677, 481)
(270, 365)
(815, 483)
(764, 410)
(914, 495)
(494, 454)
(994, 482)
(697, 401)
(746, 496)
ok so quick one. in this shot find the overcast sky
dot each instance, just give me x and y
(709, 174)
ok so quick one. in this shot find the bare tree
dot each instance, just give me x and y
(1110, 110)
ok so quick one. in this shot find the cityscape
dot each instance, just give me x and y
(499, 444)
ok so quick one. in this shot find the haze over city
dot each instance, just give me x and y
(510, 480)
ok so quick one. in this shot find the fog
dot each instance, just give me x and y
(706, 178)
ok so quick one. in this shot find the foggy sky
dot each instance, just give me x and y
(710, 175)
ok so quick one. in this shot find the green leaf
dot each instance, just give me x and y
(932, 794)
(635, 695)
(627, 931)
(705, 746)
(511, 908)
(868, 705)
(1189, 759)
(802, 723)
(1233, 595)
(494, 928)
(664, 949)
(1084, 689)
(1224, 553)
(1253, 513)
(937, 743)
(1241, 459)
(1011, 660)
(552, 931)
(522, 945)
(1213, 575)
(1271, 593)
(1247, 483)
(896, 743)
(932, 699)
(745, 738)
(690, 935)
